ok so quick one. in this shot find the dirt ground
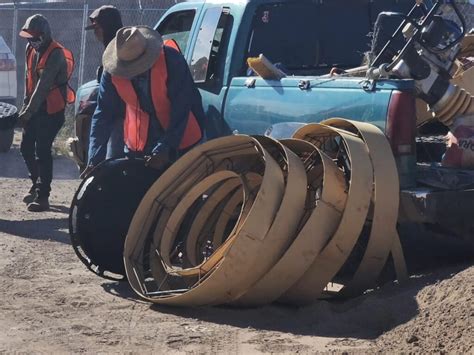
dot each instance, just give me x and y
(50, 303)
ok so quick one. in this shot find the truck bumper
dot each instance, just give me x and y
(445, 212)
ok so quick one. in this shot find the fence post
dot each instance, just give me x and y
(15, 29)
(83, 44)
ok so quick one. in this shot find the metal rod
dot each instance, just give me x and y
(83, 44)
(389, 42)
(416, 35)
(168, 292)
(15, 29)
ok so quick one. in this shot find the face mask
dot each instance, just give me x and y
(36, 42)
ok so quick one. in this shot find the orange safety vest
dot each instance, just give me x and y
(137, 121)
(55, 101)
(170, 42)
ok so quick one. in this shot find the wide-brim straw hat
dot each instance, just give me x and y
(133, 51)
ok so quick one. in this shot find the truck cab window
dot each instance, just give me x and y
(204, 44)
(217, 56)
(177, 26)
(308, 38)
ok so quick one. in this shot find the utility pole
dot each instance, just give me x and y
(83, 44)
(14, 28)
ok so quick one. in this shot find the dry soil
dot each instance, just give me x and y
(50, 303)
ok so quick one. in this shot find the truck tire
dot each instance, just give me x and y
(6, 140)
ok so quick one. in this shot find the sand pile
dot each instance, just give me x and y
(445, 319)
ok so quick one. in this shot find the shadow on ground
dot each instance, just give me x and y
(46, 229)
(120, 289)
(365, 317)
(12, 165)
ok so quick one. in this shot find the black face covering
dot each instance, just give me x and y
(110, 22)
(36, 42)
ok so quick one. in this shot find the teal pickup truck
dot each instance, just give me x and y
(306, 39)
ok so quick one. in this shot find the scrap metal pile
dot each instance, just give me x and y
(250, 220)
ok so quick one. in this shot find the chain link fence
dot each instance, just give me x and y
(468, 12)
(68, 19)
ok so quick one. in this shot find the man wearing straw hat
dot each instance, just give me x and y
(150, 85)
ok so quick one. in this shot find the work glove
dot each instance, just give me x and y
(158, 161)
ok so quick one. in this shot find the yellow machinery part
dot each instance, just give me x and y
(297, 207)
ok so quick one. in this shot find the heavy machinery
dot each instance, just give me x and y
(432, 44)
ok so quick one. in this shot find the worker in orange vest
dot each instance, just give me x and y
(150, 85)
(105, 22)
(49, 67)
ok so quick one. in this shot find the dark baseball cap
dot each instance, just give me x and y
(103, 14)
(35, 26)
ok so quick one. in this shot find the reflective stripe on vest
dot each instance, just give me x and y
(137, 121)
(55, 101)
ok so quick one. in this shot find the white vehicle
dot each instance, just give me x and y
(7, 74)
(7, 89)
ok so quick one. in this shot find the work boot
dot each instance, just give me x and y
(30, 196)
(39, 204)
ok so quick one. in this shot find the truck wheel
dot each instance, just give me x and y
(6, 140)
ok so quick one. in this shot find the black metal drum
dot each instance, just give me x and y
(102, 210)
(8, 116)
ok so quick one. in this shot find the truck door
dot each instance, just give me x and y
(178, 25)
(202, 34)
(208, 62)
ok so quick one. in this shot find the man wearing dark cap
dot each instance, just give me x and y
(106, 21)
(49, 67)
